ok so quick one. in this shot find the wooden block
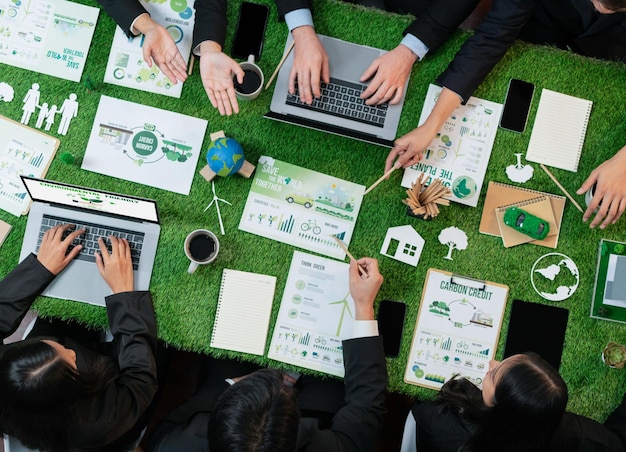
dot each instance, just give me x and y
(247, 169)
(207, 173)
(215, 135)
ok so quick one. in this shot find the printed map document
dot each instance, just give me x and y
(316, 313)
(126, 66)
(460, 153)
(457, 329)
(154, 147)
(301, 207)
(47, 36)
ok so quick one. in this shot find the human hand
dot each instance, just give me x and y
(390, 72)
(53, 248)
(115, 268)
(364, 288)
(310, 64)
(217, 70)
(409, 149)
(609, 195)
(158, 47)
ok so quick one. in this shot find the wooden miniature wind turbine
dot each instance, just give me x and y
(217, 201)
(423, 201)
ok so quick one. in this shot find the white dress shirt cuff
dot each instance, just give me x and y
(298, 18)
(364, 328)
(415, 45)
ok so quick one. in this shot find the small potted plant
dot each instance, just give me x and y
(614, 355)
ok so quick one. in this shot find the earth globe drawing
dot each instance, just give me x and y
(225, 156)
(555, 276)
(464, 187)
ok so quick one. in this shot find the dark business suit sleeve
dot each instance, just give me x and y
(210, 22)
(437, 23)
(286, 6)
(105, 418)
(123, 12)
(482, 51)
(356, 425)
(18, 290)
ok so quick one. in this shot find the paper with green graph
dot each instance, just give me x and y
(316, 313)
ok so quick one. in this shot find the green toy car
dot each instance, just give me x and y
(526, 223)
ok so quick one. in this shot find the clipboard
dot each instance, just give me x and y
(457, 329)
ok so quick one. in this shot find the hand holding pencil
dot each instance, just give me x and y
(364, 290)
(343, 246)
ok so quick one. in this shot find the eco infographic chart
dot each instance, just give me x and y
(23, 152)
(144, 144)
(316, 312)
(47, 36)
(301, 207)
(457, 329)
(126, 66)
(460, 153)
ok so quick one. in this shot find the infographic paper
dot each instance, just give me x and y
(47, 36)
(144, 144)
(316, 313)
(460, 152)
(301, 207)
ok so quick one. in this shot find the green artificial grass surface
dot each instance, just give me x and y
(185, 304)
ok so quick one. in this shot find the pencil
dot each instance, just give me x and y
(280, 64)
(560, 186)
(191, 61)
(382, 178)
(345, 248)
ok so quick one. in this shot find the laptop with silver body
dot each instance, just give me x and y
(101, 213)
(347, 62)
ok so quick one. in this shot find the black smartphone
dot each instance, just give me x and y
(519, 96)
(391, 316)
(250, 30)
(538, 328)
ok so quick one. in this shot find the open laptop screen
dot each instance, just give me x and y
(89, 198)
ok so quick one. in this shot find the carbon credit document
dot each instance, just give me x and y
(316, 314)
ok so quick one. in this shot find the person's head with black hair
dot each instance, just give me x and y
(39, 383)
(258, 413)
(521, 404)
(609, 6)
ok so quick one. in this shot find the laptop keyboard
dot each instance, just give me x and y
(89, 239)
(341, 98)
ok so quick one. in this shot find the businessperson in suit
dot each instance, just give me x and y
(62, 388)
(435, 21)
(591, 27)
(259, 411)
(216, 68)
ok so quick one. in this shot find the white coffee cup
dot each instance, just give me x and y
(201, 247)
(252, 81)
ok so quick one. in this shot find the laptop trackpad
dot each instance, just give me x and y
(80, 281)
(348, 61)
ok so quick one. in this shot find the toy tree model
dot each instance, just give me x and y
(423, 201)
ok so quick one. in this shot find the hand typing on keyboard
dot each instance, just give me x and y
(388, 73)
(115, 264)
(310, 64)
(56, 250)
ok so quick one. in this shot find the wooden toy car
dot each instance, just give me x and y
(526, 223)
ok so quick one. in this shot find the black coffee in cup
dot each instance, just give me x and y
(201, 247)
(251, 82)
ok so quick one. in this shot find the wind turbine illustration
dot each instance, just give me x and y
(217, 200)
(345, 308)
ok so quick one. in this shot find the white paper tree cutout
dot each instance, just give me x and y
(455, 238)
(6, 92)
(518, 172)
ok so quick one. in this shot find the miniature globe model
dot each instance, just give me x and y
(225, 157)
(555, 276)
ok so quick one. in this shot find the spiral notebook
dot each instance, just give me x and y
(559, 130)
(243, 312)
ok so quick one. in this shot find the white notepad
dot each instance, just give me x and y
(559, 130)
(243, 312)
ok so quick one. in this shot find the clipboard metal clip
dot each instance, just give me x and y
(467, 281)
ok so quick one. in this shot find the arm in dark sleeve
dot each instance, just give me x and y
(124, 12)
(286, 6)
(356, 426)
(437, 23)
(18, 290)
(210, 22)
(482, 51)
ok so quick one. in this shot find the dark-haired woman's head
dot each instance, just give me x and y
(609, 6)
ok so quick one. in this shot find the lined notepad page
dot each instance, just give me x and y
(559, 130)
(243, 312)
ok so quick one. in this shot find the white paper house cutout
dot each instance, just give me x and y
(404, 244)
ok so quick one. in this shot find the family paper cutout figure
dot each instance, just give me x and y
(68, 110)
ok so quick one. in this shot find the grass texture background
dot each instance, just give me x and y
(185, 304)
